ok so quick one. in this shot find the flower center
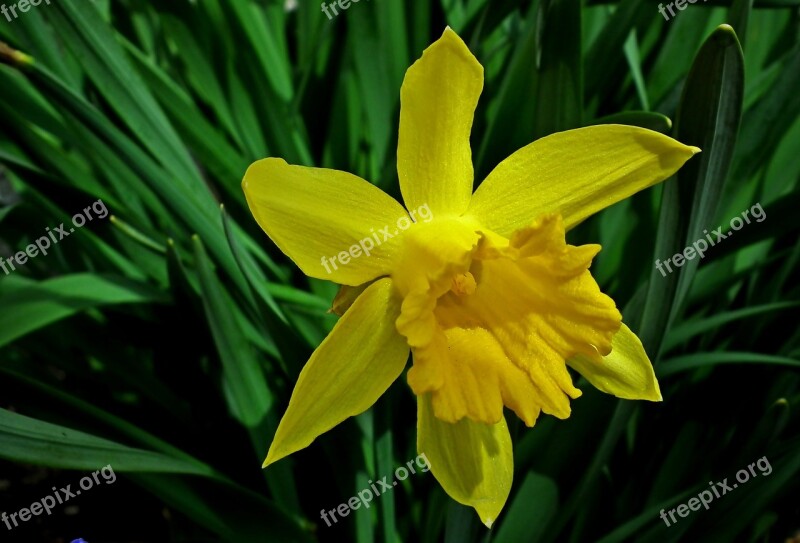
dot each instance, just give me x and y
(491, 321)
(463, 284)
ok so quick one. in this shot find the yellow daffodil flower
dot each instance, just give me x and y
(486, 294)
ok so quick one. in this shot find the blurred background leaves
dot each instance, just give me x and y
(166, 340)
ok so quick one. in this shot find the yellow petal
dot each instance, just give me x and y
(575, 173)
(332, 224)
(626, 372)
(347, 373)
(472, 461)
(437, 104)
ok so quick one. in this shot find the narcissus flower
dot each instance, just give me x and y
(487, 295)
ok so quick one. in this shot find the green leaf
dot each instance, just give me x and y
(30, 306)
(275, 322)
(532, 508)
(93, 41)
(247, 393)
(633, 56)
(630, 528)
(708, 118)
(86, 409)
(604, 60)
(683, 332)
(223, 159)
(24, 439)
(739, 16)
(770, 118)
(559, 92)
(512, 97)
(264, 41)
(711, 359)
(644, 119)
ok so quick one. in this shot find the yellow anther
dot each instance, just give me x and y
(463, 284)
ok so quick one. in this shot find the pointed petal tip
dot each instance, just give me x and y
(653, 393)
(270, 459)
(660, 397)
(274, 454)
(449, 34)
(695, 150)
(488, 513)
(655, 397)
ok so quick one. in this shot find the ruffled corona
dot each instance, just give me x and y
(492, 322)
